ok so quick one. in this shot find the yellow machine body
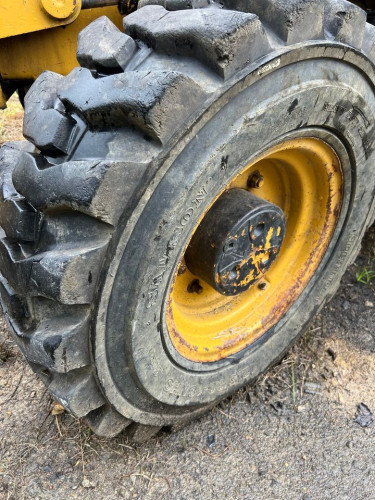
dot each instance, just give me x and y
(27, 16)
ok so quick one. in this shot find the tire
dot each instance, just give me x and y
(126, 156)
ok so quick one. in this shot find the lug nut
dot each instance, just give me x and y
(195, 287)
(255, 180)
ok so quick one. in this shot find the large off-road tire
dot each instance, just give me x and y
(106, 280)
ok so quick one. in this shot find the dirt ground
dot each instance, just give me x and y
(305, 431)
(11, 121)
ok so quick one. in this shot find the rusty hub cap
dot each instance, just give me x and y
(237, 242)
(237, 278)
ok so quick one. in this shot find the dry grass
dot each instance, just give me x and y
(11, 121)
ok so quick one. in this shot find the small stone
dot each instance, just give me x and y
(262, 470)
(346, 305)
(275, 483)
(87, 484)
(368, 303)
(364, 415)
(312, 387)
(57, 409)
(210, 440)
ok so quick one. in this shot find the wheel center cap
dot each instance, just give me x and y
(237, 242)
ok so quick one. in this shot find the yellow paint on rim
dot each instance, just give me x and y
(304, 178)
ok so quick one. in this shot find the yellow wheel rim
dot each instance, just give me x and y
(304, 178)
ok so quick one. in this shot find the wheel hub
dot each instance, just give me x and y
(212, 314)
(237, 242)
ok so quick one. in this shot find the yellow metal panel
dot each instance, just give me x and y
(26, 56)
(26, 16)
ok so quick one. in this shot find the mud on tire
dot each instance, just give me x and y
(96, 206)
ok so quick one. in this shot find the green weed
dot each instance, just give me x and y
(365, 275)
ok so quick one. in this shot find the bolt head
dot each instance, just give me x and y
(59, 9)
(256, 180)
